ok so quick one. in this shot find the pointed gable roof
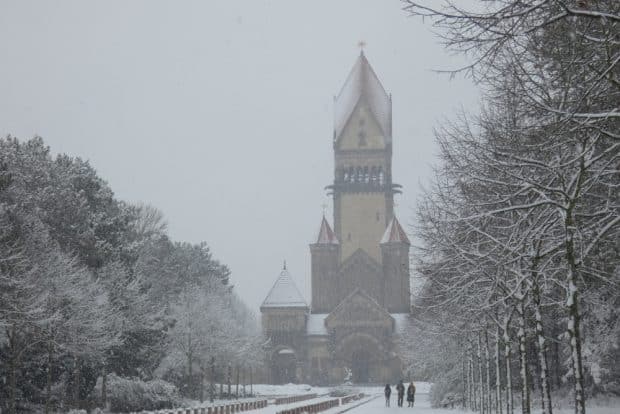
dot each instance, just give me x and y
(326, 234)
(284, 293)
(394, 233)
(362, 82)
(359, 309)
(360, 259)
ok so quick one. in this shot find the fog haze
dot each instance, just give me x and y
(219, 113)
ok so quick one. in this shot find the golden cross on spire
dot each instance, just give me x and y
(361, 44)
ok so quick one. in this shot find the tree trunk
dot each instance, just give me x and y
(557, 373)
(575, 345)
(244, 379)
(48, 384)
(465, 381)
(12, 335)
(202, 384)
(542, 351)
(507, 358)
(472, 381)
(573, 329)
(525, 387)
(482, 398)
(212, 387)
(190, 363)
(487, 366)
(76, 380)
(104, 385)
(498, 382)
(190, 374)
(237, 386)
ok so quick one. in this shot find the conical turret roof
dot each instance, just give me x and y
(284, 293)
(394, 233)
(362, 82)
(326, 234)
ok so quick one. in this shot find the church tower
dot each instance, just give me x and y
(360, 269)
(362, 190)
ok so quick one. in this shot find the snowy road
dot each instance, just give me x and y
(377, 406)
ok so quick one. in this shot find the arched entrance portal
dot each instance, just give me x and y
(364, 355)
(284, 366)
(360, 366)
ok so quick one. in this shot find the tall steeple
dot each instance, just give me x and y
(363, 191)
(363, 83)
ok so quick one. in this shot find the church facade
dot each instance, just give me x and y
(360, 268)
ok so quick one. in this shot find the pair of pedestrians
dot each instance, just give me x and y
(400, 389)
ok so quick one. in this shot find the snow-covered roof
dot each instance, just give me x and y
(363, 82)
(316, 324)
(394, 233)
(326, 234)
(284, 293)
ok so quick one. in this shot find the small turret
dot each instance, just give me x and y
(395, 254)
(325, 254)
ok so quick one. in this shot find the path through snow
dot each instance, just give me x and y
(377, 406)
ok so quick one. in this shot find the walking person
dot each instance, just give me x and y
(410, 394)
(401, 392)
(388, 392)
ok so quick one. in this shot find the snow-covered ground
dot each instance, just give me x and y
(422, 406)
(376, 401)
(267, 390)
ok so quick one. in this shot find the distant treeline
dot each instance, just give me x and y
(91, 285)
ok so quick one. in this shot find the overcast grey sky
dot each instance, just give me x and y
(220, 113)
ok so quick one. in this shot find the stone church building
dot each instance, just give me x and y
(360, 269)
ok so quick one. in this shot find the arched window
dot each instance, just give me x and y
(381, 177)
(366, 175)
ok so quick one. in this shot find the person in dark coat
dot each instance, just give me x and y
(388, 392)
(401, 392)
(410, 395)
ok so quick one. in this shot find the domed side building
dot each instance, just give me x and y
(360, 269)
